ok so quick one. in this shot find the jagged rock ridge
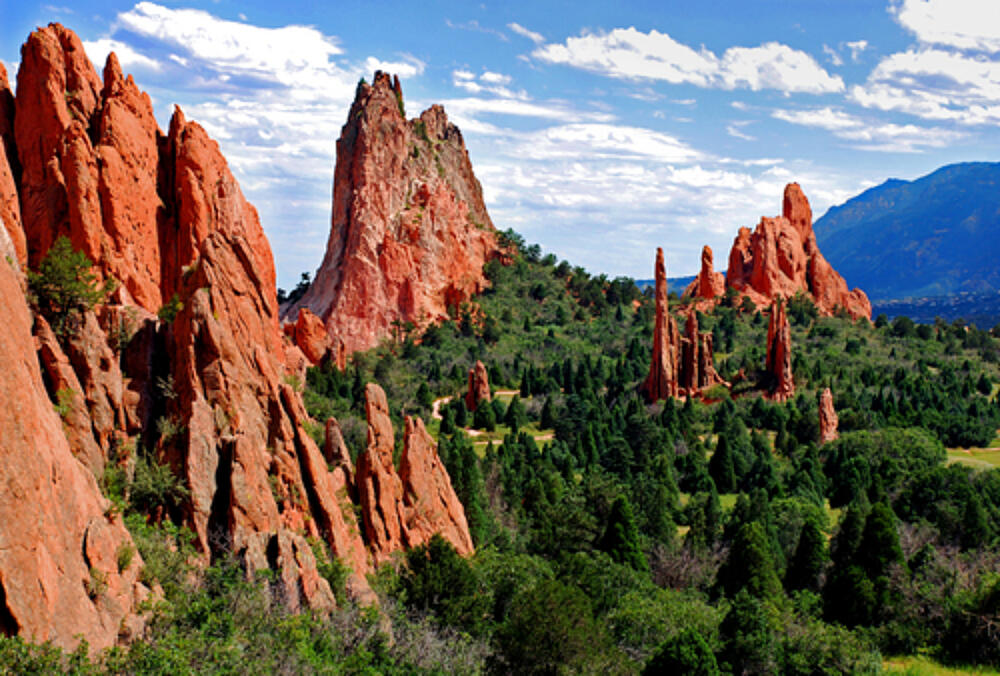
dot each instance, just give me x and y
(204, 389)
(780, 258)
(409, 232)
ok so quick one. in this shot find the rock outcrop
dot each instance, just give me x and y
(709, 284)
(662, 381)
(201, 387)
(479, 386)
(405, 509)
(828, 420)
(781, 258)
(10, 170)
(309, 334)
(59, 542)
(779, 353)
(697, 364)
(409, 233)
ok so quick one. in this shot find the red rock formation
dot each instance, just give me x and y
(479, 386)
(410, 232)
(662, 381)
(779, 353)
(430, 499)
(827, 417)
(697, 365)
(309, 333)
(59, 577)
(10, 208)
(781, 258)
(709, 284)
(405, 509)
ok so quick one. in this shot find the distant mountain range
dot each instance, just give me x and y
(935, 236)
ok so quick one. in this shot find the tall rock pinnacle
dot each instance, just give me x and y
(663, 371)
(409, 232)
(779, 353)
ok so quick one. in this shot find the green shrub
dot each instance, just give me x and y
(65, 286)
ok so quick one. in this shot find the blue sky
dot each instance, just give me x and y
(599, 131)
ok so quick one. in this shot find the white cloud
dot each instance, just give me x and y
(878, 136)
(736, 130)
(128, 58)
(537, 38)
(605, 141)
(964, 24)
(628, 53)
(495, 78)
(409, 67)
(488, 82)
(856, 48)
(935, 84)
(832, 55)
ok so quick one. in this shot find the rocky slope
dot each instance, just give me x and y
(409, 232)
(779, 259)
(202, 388)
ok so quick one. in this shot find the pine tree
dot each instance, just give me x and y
(621, 536)
(750, 565)
(809, 559)
(720, 467)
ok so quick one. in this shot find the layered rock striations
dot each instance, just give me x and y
(779, 353)
(409, 232)
(203, 387)
(780, 258)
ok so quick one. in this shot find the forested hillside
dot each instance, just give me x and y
(616, 536)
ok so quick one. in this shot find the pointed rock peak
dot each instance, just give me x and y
(177, 122)
(779, 353)
(380, 435)
(112, 74)
(795, 207)
(707, 259)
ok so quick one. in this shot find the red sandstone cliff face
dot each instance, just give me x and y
(409, 233)
(479, 386)
(59, 576)
(781, 258)
(10, 169)
(779, 353)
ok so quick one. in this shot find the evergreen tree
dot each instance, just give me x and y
(547, 420)
(720, 466)
(621, 536)
(809, 559)
(750, 565)
(750, 645)
(685, 653)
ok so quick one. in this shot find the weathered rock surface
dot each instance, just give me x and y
(709, 284)
(205, 389)
(409, 233)
(697, 365)
(662, 381)
(59, 576)
(405, 509)
(10, 170)
(479, 386)
(779, 353)
(781, 258)
(828, 420)
(430, 498)
(309, 333)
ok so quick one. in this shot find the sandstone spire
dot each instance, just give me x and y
(709, 284)
(409, 232)
(827, 417)
(779, 353)
(663, 370)
(479, 386)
